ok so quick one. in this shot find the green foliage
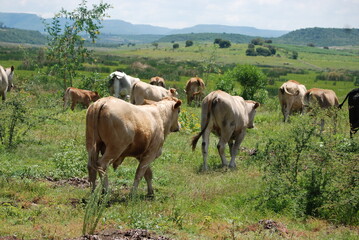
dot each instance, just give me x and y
(225, 83)
(65, 43)
(251, 79)
(223, 43)
(175, 46)
(13, 122)
(189, 43)
(304, 177)
(70, 160)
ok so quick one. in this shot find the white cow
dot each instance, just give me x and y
(121, 84)
(228, 117)
(6, 76)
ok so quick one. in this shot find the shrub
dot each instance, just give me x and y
(307, 177)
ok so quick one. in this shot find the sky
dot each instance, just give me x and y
(263, 14)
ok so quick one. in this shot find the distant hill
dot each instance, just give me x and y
(206, 37)
(118, 32)
(21, 36)
(321, 37)
(120, 27)
(212, 28)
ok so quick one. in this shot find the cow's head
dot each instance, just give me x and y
(95, 96)
(251, 110)
(173, 92)
(10, 76)
(175, 126)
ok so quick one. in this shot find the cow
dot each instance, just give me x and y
(119, 129)
(194, 90)
(120, 84)
(323, 99)
(228, 117)
(158, 81)
(291, 95)
(6, 76)
(353, 107)
(76, 95)
(141, 91)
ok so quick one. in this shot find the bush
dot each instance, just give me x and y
(250, 77)
(307, 177)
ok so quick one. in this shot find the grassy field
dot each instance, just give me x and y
(43, 188)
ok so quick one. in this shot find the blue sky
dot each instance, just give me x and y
(263, 14)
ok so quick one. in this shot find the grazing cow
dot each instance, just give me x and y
(353, 107)
(322, 98)
(194, 90)
(228, 117)
(6, 76)
(291, 95)
(75, 95)
(158, 81)
(121, 84)
(141, 91)
(119, 129)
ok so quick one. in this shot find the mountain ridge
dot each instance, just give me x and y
(28, 21)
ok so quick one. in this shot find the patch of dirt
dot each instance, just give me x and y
(133, 234)
(75, 181)
(267, 225)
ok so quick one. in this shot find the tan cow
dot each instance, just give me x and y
(228, 117)
(194, 90)
(291, 95)
(141, 91)
(119, 129)
(76, 95)
(158, 81)
(322, 98)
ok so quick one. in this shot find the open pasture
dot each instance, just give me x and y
(44, 192)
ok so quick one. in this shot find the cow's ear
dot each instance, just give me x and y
(172, 90)
(178, 104)
(12, 68)
(256, 104)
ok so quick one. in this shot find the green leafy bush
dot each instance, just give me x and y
(70, 161)
(306, 178)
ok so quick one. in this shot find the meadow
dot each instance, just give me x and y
(303, 181)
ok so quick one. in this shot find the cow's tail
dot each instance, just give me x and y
(211, 105)
(284, 90)
(341, 105)
(132, 95)
(93, 139)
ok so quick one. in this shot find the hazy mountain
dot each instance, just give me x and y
(120, 27)
(249, 31)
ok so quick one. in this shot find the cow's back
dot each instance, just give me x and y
(141, 91)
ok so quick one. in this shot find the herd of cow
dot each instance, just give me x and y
(138, 116)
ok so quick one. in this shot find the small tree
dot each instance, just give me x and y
(251, 78)
(189, 43)
(224, 44)
(66, 42)
(175, 46)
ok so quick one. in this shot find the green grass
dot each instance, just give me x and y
(188, 203)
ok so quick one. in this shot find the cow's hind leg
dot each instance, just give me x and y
(235, 147)
(142, 168)
(148, 176)
(205, 143)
